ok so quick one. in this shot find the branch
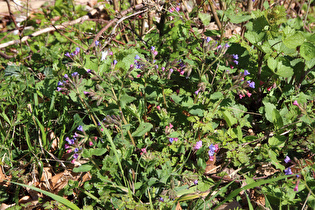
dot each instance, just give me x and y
(49, 29)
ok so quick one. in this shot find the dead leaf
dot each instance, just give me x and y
(178, 207)
(211, 167)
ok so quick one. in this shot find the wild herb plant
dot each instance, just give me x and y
(180, 117)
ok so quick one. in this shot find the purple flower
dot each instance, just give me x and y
(235, 56)
(198, 145)
(66, 76)
(86, 93)
(155, 52)
(226, 45)
(152, 48)
(59, 89)
(60, 83)
(287, 171)
(251, 84)
(161, 199)
(287, 159)
(208, 39)
(75, 155)
(236, 62)
(177, 8)
(77, 50)
(71, 54)
(197, 91)
(68, 54)
(89, 71)
(80, 128)
(70, 141)
(67, 146)
(97, 43)
(163, 68)
(115, 62)
(219, 47)
(74, 74)
(246, 72)
(137, 57)
(171, 70)
(171, 140)
(76, 150)
(196, 182)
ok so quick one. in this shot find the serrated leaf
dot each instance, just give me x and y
(142, 129)
(293, 41)
(83, 168)
(307, 50)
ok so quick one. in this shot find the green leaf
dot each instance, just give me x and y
(196, 111)
(239, 18)
(272, 63)
(283, 68)
(98, 151)
(277, 141)
(250, 186)
(83, 168)
(307, 51)
(205, 18)
(254, 37)
(53, 196)
(274, 160)
(229, 119)
(269, 107)
(142, 129)
(277, 119)
(126, 99)
(293, 41)
(216, 95)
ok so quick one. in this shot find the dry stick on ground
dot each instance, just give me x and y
(110, 23)
(49, 29)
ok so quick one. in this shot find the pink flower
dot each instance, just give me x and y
(69, 151)
(139, 75)
(175, 139)
(172, 9)
(72, 161)
(297, 186)
(241, 96)
(171, 126)
(269, 88)
(158, 107)
(295, 103)
(248, 94)
(143, 151)
(216, 147)
(102, 129)
(91, 143)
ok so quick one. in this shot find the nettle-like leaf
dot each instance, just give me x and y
(307, 51)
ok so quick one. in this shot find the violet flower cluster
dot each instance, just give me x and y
(75, 144)
(71, 55)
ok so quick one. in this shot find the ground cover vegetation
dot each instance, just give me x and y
(159, 105)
